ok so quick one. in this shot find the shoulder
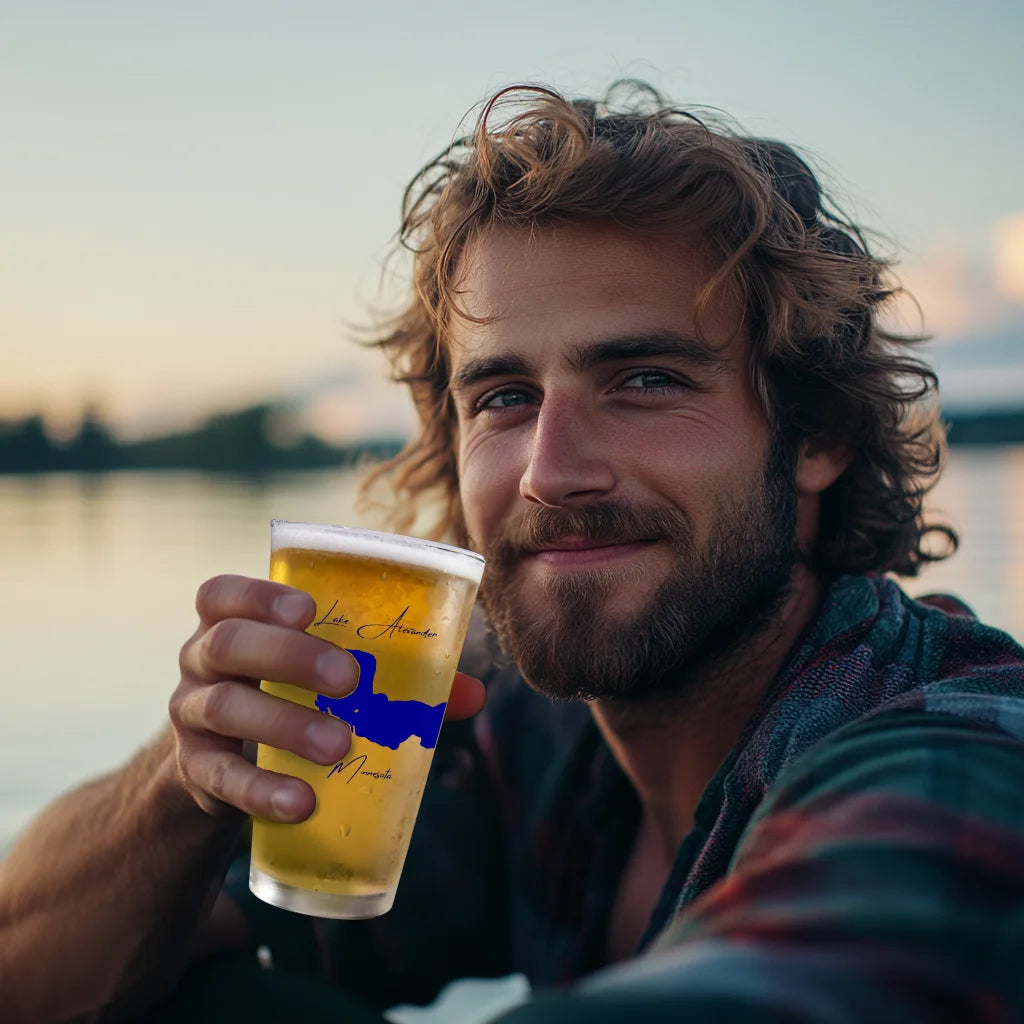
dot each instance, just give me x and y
(963, 763)
(874, 649)
(961, 668)
(929, 691)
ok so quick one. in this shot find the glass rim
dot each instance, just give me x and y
(379, 544)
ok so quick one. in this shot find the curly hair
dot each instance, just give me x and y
(824, 369)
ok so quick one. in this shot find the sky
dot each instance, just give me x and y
(199, 198)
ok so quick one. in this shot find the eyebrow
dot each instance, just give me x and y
(487, 367)
(587, 355)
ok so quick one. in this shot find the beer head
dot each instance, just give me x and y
(412, 551)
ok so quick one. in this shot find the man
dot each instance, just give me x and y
(654, 391)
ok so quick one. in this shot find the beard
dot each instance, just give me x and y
(714, 599)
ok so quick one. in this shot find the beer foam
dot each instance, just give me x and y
(426, 554)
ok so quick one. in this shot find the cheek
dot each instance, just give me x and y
(488, 488)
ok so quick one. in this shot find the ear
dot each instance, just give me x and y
(820, 465)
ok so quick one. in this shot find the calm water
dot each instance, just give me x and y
(100, 575)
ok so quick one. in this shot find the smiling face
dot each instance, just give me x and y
(615, 464)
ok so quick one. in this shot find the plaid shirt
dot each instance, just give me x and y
(859, 856)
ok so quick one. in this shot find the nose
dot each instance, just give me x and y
(568, 460)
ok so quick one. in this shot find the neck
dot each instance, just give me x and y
(670, 747)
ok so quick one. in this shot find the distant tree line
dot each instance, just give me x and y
(1000, 427)
(234, 442)
(245, 442)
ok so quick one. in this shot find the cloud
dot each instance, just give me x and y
(971, 296)
(1009, 257)
(941, 284)
(961, 289)
(375, 410)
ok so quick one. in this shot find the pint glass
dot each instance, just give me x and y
(401, 607)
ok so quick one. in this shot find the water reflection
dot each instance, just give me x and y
(100, 577)
(981, 495)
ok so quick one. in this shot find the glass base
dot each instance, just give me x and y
(318, 904)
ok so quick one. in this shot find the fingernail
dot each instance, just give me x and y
(286, 803)
(337, 671)
(329, 739)
(291, 609)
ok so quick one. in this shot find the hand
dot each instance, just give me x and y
(252, 629)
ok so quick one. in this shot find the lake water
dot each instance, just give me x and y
(100, 573)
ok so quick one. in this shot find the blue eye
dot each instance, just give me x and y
(506, 399)
(648, 380)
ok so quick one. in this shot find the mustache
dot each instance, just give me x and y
(598, 524)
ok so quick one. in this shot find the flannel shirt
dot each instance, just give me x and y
(859, 856)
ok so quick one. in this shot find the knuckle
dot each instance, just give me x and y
(186, 767)
(218, 643)
(174, 707)
(206, 595)
(185, 654)
(250, 789)
(217, 704)
(216, 784)
(205, 775)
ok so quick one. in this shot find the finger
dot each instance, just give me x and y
(242, 597)
(255, 650)
(237, 710)
(230, 779)
(467, 697)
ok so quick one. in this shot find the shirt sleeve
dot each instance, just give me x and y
(882, 880)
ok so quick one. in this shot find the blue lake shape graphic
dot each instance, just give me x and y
(377, 718)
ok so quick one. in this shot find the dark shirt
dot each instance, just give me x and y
(858, 856)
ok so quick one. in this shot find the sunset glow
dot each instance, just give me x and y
(198, 198)
(1009, 263)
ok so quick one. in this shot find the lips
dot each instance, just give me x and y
(576, 544)
(602, 535)
(583, 552)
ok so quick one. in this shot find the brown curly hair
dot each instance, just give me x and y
(824, 368)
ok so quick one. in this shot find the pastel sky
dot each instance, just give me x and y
(198, 197)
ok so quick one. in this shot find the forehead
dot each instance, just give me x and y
(569, 285)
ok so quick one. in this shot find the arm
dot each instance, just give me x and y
(103, 892)
(103, 898)
(109, 892)
(882, 880)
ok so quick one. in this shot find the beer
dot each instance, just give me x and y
(401, 607)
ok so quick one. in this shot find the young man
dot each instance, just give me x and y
(654, 392)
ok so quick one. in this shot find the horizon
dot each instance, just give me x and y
(199, 202)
